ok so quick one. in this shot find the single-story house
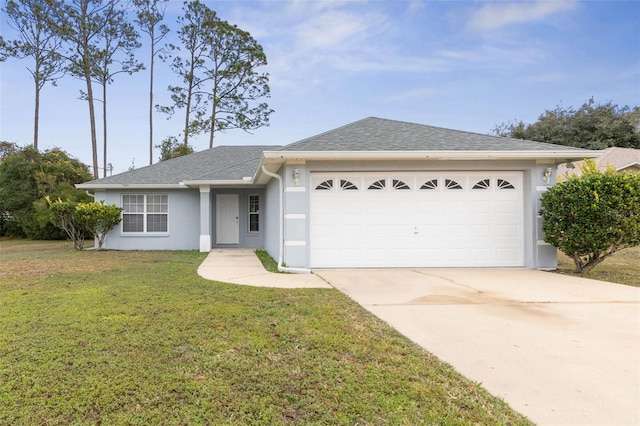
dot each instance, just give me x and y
(623, 160)
(373, 193)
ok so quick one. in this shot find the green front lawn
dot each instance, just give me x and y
(138, 338)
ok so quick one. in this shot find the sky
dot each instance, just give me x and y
(464, 65)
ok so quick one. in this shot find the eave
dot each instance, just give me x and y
(130, 186)
(225, 183)
(626, 166)
(273, 160)
(275, 156)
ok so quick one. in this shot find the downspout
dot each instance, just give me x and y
(281, 226)
(90, 194)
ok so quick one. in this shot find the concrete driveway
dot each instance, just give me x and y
(561, 350)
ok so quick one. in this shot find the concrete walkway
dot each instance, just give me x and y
(242, 266)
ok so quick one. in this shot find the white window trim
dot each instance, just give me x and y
(250, 213)
(144, 214)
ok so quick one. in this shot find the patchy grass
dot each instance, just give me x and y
(622, 268)
(138, 338)
(267, 261)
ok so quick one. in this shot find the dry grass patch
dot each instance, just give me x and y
(23, 259)
(622, 268)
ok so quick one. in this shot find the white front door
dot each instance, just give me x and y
(227, 219)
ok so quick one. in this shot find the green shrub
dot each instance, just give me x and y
(592, 216)
(99, 218)
(81, 219)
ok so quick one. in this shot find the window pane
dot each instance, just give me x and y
(132, 223)
(156, 203)
(345, 184)
(254, 223)
(430, 184)
(398, 184)
(451, 184)
(254, 213)
(156, 223)
(254, 203)
(326, 185)
(132, 203)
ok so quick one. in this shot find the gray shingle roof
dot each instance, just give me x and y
(229, 163)
(220, 163)
(378, 134)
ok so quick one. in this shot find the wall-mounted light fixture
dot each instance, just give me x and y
(296, 176)
(546, 176)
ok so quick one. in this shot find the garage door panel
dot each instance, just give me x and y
(507, 255)
(509, 232)
(481, 207)
(390, 227)
(508, 207)
(481, 232)
(481, 256)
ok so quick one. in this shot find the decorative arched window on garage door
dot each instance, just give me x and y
(483, 184)
(451, 184)
(379, 184)
(398, 184)
(430, 184)
(326, 185)
(503, 184)
(345, 184)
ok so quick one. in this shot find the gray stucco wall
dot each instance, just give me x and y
(296, 205)
(546, 256)
(183, 222)
(271, 215)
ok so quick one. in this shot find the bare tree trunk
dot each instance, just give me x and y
(213, 124)
(188, 110)
(36, 116)
(214, 106)
(153, 53)
(92, 120)
(104, 128)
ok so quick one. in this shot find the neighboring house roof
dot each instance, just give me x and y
(370, 138)
(622, 159)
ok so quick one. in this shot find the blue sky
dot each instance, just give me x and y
(457, 64)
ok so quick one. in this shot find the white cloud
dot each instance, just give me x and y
(338, 30)
(497, 15)
(309, 44)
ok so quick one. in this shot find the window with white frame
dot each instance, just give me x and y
(254, 213)
(145, 213)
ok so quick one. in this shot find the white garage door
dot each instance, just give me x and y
(418, 219)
